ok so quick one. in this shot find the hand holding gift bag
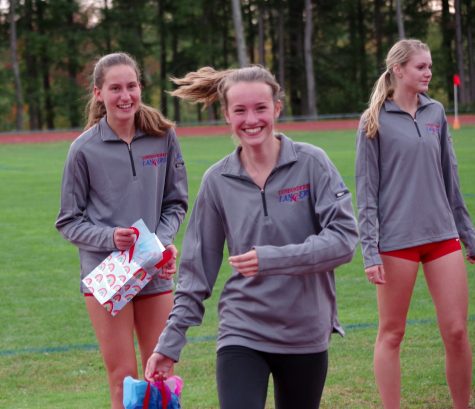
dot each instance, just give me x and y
(139, 394)
(123, 274)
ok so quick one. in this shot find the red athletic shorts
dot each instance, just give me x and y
(426, 252)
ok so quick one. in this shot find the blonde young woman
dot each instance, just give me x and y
(286, 216)
(411, 211)
(127, 165)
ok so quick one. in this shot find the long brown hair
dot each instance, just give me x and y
(208, 85)
(399, 54)
(148, 119)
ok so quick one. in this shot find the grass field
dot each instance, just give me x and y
(48, 352)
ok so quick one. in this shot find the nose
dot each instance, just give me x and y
(125, 95)
(251, 117)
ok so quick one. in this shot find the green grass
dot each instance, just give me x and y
(48, 352)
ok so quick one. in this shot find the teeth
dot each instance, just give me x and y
(253, 131)
(125, 106)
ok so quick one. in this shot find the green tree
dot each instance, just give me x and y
(15, 65)
(58, 41)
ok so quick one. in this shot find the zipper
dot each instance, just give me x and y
(264, 203)
(131, 159)
(417, 128)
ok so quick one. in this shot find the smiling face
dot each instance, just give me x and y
(120, 93)
(251, 112)
(415, 75)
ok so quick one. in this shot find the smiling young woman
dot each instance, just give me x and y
(286, 216)
(121, 95)
(126, 166)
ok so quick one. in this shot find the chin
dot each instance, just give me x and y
(126, 115)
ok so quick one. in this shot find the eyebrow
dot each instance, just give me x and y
(119, 83)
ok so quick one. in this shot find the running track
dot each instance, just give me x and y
(185, 131)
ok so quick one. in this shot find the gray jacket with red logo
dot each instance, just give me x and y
(407, 184)
(108, 183)
(302, 226)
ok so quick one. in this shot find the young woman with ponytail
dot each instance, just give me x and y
(126, 165)
(286, 216)
(411, 211)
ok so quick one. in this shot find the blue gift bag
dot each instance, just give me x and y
(139, 394)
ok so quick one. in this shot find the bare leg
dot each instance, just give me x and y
(447, 281)
(394, 298)
(151, 314)
(116, 342)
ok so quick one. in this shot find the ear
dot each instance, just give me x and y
(277, 108)
(397, 70)
(97, 94)
(225, 114)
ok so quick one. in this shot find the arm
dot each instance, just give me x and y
(367, 190)
(199, 266)
(452, 186)
(158, 367)
(376, 274)
(72, 221)
(333, 245)
(175, 195)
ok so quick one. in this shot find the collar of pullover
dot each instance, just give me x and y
(287, 155)
(108, 135)
(391, 106)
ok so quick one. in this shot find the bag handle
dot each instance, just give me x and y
(146, 399)
(163, 391)
(166, 255)
(132, 247)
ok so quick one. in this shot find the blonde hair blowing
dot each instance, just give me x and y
(399, 54)
(208, 85)
(148, 119)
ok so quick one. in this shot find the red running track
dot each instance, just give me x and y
(185, 131)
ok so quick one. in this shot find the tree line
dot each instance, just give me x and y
(326, 54)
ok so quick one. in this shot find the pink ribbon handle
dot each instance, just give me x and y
(132, 247)
(163, 392)
(166, 256)
(146, 399)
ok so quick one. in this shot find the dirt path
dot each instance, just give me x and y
(186, 131)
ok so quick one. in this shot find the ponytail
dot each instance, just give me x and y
(95, 110)
(208, 85)
(382, 90)
(200, 86)
(151, 121)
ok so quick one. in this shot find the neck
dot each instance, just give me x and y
(406, 101)
(261, 156)
(125, 130)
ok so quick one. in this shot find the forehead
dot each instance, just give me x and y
(119, 73)
(420, 56)
(245, 92)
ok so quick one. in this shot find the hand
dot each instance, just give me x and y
(471, 259)
(376, 274)
(169, 268)
(246, 264)
(158, 367)
(124, 238)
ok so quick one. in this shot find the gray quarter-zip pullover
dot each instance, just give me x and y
(108, 183)
(407, 183)
(302, 227)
